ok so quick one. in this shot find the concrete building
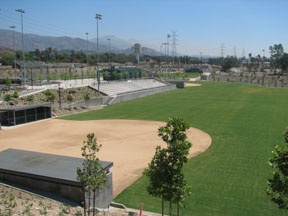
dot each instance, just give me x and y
(50, 175)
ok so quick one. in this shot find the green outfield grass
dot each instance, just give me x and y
(244, 121)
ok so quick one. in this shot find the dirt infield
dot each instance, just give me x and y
(129, 144)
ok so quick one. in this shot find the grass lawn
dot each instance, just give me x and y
(244, 121)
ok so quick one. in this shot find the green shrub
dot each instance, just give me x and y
(69, 98)
(30, 98)
(15, 94)
(7, 97)
(49, 95)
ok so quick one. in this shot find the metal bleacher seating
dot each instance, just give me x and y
(120, 87)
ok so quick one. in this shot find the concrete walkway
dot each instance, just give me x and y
(116, 207)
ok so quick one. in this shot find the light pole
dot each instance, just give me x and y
(263, 59)
(168, 36)
(109, 50)
(59, 95)
(23, 54)
(14, 50)
(87, 48)
(86, 57)
(165, 54)
(98, 17)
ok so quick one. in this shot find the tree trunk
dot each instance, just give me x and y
(178, 209)
(84, 204)
(170, 208)
(162, 206)
(89, 201)
(94, 198)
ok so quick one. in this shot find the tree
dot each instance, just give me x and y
(165, 171)
(37, 54)
(278, 184)
(283, 63)
(92, 176)
(72, 56)
(174, 134)
(69, 99)
(86, 99)
(8, 82)
(229, 62)
(276, 52)
(157, 173)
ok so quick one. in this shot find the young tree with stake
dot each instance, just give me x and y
(92, 176)
(165, 171)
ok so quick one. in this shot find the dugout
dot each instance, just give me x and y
(24, 114)
(52, 176)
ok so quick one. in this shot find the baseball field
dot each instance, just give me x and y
(229, 178)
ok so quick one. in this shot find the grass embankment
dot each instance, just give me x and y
(245, 122)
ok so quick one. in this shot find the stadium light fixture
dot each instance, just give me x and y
(23, 54)
(98, 17)
(87, 47)
(109, 50)
(14, 49)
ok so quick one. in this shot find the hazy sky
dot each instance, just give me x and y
(207, 26)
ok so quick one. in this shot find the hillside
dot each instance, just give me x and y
(34, 41)
(5, 50)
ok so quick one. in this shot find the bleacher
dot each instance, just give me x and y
(120, 87)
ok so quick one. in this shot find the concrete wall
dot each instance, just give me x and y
(143, 93)
(56, 190)
(103, 197)
(92, 102)
(179, 83)
(68, 193)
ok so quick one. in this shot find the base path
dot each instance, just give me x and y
(129, 144)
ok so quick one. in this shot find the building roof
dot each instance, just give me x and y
(19, 108)
(43, 166)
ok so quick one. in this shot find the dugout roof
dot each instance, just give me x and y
(16, 115)
(48, 167)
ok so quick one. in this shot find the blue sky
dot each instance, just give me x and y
(207, 26)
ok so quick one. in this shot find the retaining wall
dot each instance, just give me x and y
(143, 93)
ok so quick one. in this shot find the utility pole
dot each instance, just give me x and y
(243, 53)
(222, 50)
(14, 50)
(235, 52)
(174, 44)
(98, 17)
(23, 54)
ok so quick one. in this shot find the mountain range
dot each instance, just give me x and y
(34, 41)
